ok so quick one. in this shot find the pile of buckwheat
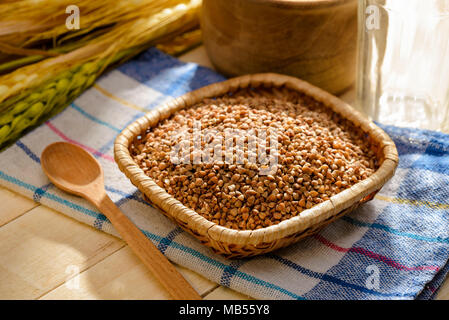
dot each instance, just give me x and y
(318, 154)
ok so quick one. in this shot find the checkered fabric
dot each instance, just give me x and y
(394, 247)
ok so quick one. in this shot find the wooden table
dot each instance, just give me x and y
(47, 255)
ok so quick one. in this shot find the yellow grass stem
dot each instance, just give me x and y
(122, 36)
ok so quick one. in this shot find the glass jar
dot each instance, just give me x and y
(403, 62)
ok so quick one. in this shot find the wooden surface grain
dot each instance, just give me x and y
(47, 255)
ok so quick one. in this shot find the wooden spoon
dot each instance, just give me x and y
(74, 170)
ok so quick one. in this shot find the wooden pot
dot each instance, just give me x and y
(315, 40)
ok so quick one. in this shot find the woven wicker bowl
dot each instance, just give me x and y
(235, 243)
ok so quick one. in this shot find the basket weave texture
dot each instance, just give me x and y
(244, 243)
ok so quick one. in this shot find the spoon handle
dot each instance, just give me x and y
(158, 264)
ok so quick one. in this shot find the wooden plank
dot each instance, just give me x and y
(123, 276)
(224, 293)
(13, 205)
(39, 250)
(443, 294)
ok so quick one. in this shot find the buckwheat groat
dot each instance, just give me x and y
(288, 154)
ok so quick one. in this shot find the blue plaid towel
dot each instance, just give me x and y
(394, 247)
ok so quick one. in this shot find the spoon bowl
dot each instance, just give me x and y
(71, 168)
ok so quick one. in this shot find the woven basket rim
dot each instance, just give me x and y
(286, 228)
